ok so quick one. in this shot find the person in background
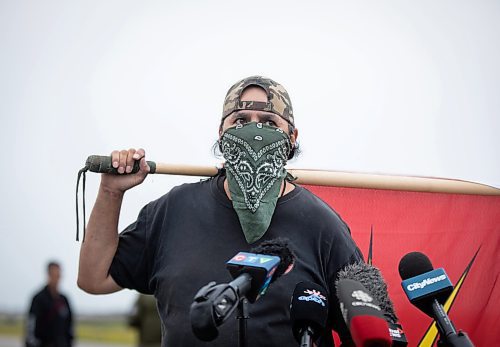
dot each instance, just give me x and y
(50, 322)
(145, 319)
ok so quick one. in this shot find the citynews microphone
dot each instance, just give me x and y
(371, 278)
(363, 315)
(252, 273)
(308, 312)
(428, 289)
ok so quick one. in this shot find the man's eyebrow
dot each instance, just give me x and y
(241, 114)
(267, 115)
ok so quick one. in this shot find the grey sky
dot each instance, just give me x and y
(398, 87)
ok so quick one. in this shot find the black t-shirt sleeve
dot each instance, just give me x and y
(131, 264)
(338, 323)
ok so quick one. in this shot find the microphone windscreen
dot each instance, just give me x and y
(422, 284)
(203, 322)
(362, 314)
(371, 278)
(279, 247)
(308, 309)
(414, 264)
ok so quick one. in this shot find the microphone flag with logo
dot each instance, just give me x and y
(371, 278)
(252, 272)
(308, 311)
(428, 290)
(362, 314)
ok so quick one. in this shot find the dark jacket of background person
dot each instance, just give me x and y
(146, 320)
(49, 321)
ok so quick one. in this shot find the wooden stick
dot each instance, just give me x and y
(185, 170)
(354, 180)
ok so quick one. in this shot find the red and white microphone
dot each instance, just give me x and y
(363, 315)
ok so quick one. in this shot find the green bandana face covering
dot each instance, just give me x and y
(255, 155)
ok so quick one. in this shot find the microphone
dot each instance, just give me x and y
(371, 278)
(428, 289)
(308, 312)
(252, 273)
(363, 315)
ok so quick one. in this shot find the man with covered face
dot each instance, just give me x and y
(182, 241)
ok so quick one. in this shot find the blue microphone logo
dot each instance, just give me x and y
(314, 295)
(425, 284)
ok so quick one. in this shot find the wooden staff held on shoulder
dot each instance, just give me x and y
(102, 164)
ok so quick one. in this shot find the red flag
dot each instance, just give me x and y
(450, 229)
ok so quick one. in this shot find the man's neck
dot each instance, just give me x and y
(54, 292)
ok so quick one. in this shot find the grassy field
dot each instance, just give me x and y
(105, 329)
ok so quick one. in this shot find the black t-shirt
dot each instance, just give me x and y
(182, 241)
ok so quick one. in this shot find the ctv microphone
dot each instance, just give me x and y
(363, 315)
(308, 312)
(252, 273)
(428, 289)
(371, 278)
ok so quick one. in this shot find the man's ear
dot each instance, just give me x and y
(294, 135)
(220, 136)
(220, 129)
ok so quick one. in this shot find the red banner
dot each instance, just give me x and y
(458, 232)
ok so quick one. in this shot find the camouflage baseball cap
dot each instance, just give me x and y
(278, 101)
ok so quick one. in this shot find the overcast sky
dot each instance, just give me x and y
(398, 87)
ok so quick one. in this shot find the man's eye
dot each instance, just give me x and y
(270, 123)
(240, 120)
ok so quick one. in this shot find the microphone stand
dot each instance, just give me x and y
(242, 317)
(241, 285)
(448, 336)
(306, 338)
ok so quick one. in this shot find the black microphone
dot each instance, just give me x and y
(363, 315)
(371, 278)
(308, 312)
(428, 290)
(252, 273)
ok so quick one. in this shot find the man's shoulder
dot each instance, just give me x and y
(309, 200)
(201, 185)
(312, 210)
(189, 188)
(64, 296)
(184, 191)
(41, 294)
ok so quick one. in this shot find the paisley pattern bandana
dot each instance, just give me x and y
(255, 155)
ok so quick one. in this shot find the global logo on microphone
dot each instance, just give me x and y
(314, 295)
(363, 300)
(361, 295)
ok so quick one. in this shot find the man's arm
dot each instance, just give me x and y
(31, 339)
(69, 323)
(101, 239)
